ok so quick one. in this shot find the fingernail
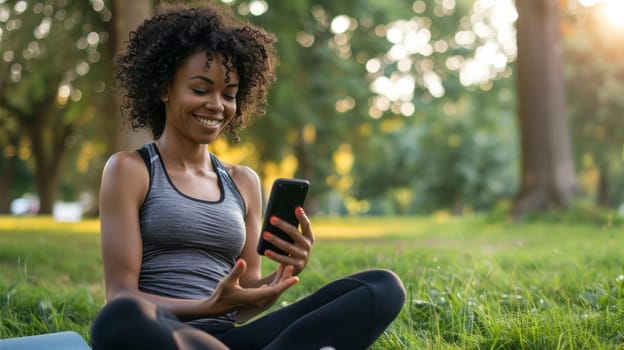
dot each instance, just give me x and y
(273, 220)
(299, 210)
(267, 235)
(240, 264)
(268, 253)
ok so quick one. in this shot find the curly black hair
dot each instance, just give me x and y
(160, 45)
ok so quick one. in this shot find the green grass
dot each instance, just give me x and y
(472, 283)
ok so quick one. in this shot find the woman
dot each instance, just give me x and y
(179, 228)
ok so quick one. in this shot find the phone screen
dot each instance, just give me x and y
(285, 196)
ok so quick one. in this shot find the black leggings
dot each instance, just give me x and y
(349, 313)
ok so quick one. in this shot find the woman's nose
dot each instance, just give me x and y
(214, 102)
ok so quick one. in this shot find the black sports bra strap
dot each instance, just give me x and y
(144, 152)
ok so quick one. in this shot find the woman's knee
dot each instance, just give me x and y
(129, 323)
(386, 288)
(121, 310)
(383, 281)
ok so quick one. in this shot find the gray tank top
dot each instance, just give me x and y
(189, 245)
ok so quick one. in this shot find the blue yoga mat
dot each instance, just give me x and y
(52, 341)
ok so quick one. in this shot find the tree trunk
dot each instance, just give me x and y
(47, 188)
(127, 15)
(8, 167)
(603, 189)
(48, 149)
(305, 170)
(548, 179)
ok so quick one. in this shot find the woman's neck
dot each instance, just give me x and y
(180, 154)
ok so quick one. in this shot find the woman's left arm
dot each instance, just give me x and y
(299, 251)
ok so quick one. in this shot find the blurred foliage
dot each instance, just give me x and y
(52, 84)
(383, 106)
(595, 80)
(465, 160)
(326, 104)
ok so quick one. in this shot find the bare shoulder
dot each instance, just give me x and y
(125, 163)
(245, 178)
(248, 183)
(125, 172)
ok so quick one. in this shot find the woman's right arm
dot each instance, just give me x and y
(125, 182)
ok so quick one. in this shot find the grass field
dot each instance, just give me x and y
(472, 283)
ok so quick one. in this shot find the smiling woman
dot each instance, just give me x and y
(179, 227)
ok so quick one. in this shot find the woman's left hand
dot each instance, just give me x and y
(297, 252)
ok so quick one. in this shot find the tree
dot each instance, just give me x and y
(50, 51)
(548, 176)
(54, 89)
(127, 15)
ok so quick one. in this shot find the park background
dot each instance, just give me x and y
(475, 147)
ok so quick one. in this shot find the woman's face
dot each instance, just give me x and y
(199, 102)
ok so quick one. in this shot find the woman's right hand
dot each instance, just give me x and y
(229, 296)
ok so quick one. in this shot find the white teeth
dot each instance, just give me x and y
(208, 122)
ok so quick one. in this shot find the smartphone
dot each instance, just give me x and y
(286, 195)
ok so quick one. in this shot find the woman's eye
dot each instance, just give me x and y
(199, 91)
(229, 97)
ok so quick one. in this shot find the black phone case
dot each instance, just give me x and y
(285, 196)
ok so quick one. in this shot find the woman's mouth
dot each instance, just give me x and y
(206, 121)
